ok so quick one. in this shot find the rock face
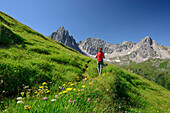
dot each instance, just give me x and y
(91, 46)
(126, 45)
(145, 48)
(126, 51)
(62, 35)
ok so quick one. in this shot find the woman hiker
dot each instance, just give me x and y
(100, 56)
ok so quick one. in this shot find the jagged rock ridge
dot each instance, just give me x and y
(62, 35)
(91, 45)
(138, 52)
(126, 51)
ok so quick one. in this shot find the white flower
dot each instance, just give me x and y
(19, 98)
(53, 100)
(26, 87)
(20, 102)
(2, 81)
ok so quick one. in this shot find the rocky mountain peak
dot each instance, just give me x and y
(61, 29)
(125, 42)
(145, 49)
(147, 40)
(91, 46)
(62, 35)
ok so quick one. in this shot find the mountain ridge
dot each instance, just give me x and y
(62, 35)
(139, 52)
(143, 50)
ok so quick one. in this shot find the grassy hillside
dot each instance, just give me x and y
(156, 70)
(51, 77)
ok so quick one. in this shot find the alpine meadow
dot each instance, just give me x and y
(40, 75)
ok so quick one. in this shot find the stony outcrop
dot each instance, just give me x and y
(124, 46)
(91, 46)
(138, 52)
(62, 35)
(145, 48)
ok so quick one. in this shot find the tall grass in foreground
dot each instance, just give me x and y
(100, 94)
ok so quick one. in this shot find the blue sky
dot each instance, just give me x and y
(114, 21)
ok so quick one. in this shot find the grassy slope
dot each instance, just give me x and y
(29, 58)
(155, 70)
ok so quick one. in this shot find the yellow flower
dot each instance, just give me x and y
(64, 84)
(90, 83)
(64, 91)
(83, 86)
(41, 87)
(71, 84)
(107, 89)
(3, 57)
(47, 91)
(78, 82)
(74, 89)
(35, 92)
(27, 107)
(68, 89)
(44, 83)
(157, 111)
(60, 93)
(75, 83)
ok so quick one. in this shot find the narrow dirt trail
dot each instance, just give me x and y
(84, 74)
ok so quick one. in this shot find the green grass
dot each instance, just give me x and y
(126, 90)
(163, 65)
(155, 70)
(27, 58)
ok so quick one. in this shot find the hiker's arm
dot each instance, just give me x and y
(103, 56)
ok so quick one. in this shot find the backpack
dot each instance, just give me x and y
(100, 56)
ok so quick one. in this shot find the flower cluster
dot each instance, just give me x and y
(42, 89)
(64, 89)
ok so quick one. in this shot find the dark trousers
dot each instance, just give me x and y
(100, 66)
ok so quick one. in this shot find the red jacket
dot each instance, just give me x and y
(100, 56)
